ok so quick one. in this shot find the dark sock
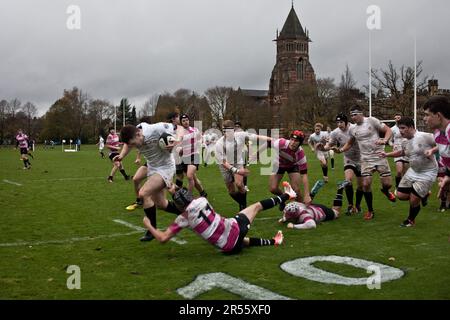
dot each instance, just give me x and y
(332, 163)
(338, 200)
(203, 194)
(139, 201)
(349, 194)
(369, 199)
(122, 171)
(151, 215)
(179, 183)
(235, 196)
(259, 242)
(413, 212)
(443, 204)
(397, 181)
(359, 196)
(25, 163)
(385, 190)
(272, 202)
(325, 171)
(171, 208)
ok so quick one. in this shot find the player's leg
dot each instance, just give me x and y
(122, 171)
(331, 153)
(399, 166)
(139, 176)
(294, 179)
(349, 174)
(323, 164)
(241, 192)
(274, 184)
(359, 192)
(368, 196)
(114, 169)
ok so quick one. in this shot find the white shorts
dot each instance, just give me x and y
(322, 155)
(381, 166)
(227, 176)
(421, 183)
(166, 174)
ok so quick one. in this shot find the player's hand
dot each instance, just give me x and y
(380, 142)
(290, 225)
(429, 153)
(320, 146)
(307, 199)
(117, 158)
(137, 161)
(382, 154)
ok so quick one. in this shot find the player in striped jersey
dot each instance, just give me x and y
(227, 234)
(302, 216)
(290, 158)
(437, 117)
(113, 144)
(22, 143)
(189, 151)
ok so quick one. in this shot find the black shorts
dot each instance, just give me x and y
(403, 161)
(244, 226)
(329, 213)
(357, 171)
(409, 191)
(112, 155)
(294, 169)
(23, 151)
(192, 161)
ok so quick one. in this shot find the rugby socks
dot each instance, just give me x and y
(325, 171)
(260, 242)
(332, 163)
(122, 171)
(139, 201)
(369, 200)
(171, 208)
(338, 200)
(413, 212)
(349, 194)
(151, 215)
(25, 163)
(359, 196)
(272, 202)
(385, 190)
(179, 183)
(397, 181)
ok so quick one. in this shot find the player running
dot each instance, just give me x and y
(22, 144)
(401, 163)
(317, 137)
(113, 144)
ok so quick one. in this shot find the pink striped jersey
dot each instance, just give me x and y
(22, 139)
(288, 158)
(442, 139)
(191, 143)
(203, 220)
(298, 212)
(113, 140)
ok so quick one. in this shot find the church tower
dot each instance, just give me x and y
(292, 65)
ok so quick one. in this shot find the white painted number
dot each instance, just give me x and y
(303, 267)
(74, 20)
(74, 281)
(208, 281)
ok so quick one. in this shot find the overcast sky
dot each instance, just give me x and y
(137, 48)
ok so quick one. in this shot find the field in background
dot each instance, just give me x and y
(62, 212)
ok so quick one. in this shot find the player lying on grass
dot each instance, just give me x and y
(301, 216)
(227, 234)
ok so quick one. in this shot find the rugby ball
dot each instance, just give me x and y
(165, 140)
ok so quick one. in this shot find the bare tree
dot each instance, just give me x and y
(30, 111)
(148, 109)
(217, 99)
(14, 106)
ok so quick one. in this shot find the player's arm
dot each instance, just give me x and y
(138, 157)
(431, 151)
(161, 236)
(125, 150)
(310, 224)
(242, 171)
(311, 144)
(346, 146)
(387, 134)
(393, 154)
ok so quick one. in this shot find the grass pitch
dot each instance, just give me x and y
(62, 212)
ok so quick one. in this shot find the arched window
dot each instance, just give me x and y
(300, 69)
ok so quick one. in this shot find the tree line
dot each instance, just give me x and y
(77, 115)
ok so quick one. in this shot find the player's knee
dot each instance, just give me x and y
(273, 189)
(402, 196)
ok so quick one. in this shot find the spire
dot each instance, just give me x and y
(292, 27)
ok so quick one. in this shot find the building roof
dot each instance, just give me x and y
(292, 27)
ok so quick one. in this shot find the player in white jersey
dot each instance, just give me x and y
(209, 139)
(302, 216)
(352, 160)
(189, 150)
(227, 234)
(160, 165)
(101, 145)
(417, 182)
(401, 163)
(367, 134)
(229, 156)
(315, 138)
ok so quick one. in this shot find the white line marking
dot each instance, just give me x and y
(76, 239)
(67, 179)
(272, 218)
(132, 226)
(12, 182)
